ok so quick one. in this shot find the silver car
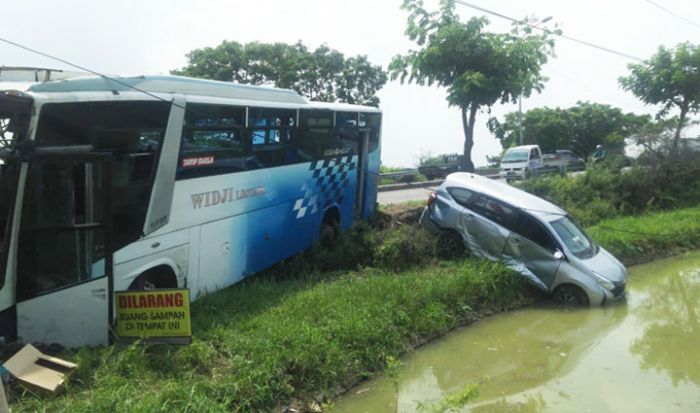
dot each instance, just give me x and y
(530, 235)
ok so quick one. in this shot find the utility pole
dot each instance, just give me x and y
(520, 95)
(520, 117)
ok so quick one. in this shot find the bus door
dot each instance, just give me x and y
(64, 255)
(362, 153)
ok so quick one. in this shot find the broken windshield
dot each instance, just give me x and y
(8, 190)
(14, 122)
(14, 118)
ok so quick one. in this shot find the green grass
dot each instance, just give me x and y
(641, 238)
(288, 335)
(266, 341)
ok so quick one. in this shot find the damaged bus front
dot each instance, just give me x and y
(55, 273)
(15, 112)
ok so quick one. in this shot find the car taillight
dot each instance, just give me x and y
(432, 198)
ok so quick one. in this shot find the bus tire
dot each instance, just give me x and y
(161, 276)
(329, 228)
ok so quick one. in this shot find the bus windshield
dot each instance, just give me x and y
(14, 122)
(8, 189)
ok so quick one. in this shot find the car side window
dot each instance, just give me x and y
(531, 229)
(461, 195)
(534, 154)
(493, 210)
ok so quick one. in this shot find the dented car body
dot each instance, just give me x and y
(530, 235)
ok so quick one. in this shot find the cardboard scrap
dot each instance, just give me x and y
(38, 370)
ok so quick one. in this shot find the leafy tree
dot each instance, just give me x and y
(579, 128)
(670, 78)
(477, 67)
(323, 74)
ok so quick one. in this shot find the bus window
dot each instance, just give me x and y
(346, 130)
(132, 131)
(62, 242)
(316, 137)
(213, 141)
(64, 124)
(271, 131)
(374, 122)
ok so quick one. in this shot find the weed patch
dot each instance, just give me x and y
(266, 341)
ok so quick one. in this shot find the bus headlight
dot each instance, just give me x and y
(603, 282)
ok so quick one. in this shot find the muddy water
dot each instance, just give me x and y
(642, 355)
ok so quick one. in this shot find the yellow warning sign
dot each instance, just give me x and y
(153, 314)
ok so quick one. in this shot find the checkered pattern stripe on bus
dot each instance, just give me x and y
(329, 179)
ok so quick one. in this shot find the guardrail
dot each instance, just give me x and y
(407, 175)
(414, 184)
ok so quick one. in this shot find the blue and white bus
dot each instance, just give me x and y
(164, 182)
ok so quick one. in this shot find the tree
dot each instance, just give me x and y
(323, 74)
(579, 128)
(477, 67)
(546, 127)
(670, 78)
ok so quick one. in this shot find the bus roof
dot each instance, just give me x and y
(170, 84)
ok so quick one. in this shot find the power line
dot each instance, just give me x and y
(590, 89)
(111, 79)
(673, 14)
(583, 42)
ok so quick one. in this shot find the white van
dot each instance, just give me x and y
(520, 162)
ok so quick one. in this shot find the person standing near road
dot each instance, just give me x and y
(599, 154)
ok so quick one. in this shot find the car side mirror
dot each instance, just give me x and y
(558, 255)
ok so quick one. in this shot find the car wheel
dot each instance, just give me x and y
(449, 245)
(568, 296)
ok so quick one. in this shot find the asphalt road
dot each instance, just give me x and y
(400, 196)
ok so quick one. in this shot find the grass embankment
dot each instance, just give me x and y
(643, 238)
(285, 336)
(267, 341)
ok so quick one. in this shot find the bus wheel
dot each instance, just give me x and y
(158, 277)
(327, 234)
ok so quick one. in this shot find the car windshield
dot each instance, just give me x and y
(516, 155)
(573, 237)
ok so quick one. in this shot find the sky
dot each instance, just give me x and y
(145, 37)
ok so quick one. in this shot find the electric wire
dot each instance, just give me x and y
(583, 42)
(673, 14)
(590, 89)
(108, 78)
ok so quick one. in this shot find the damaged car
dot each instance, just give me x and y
(534, 237)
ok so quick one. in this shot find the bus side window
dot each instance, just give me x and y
(213, 141)
(317, 138)
(271, 131)
(374, 122)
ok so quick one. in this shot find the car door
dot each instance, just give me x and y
(533, 247)
(64, 259)
(482, 219)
